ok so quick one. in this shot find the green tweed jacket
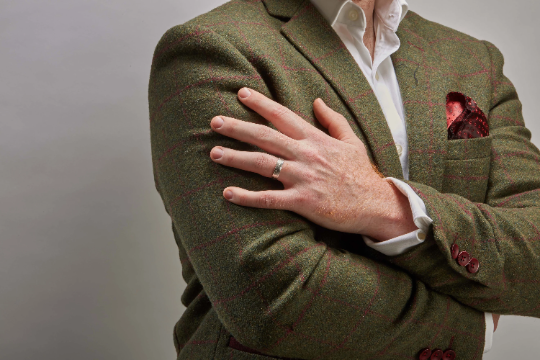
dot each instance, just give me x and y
(281, 286)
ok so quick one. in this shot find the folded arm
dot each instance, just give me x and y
(271, 276)
(501, 233)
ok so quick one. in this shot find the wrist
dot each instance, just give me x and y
(390, 213)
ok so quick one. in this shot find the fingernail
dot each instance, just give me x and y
(216, 153)
(217, 122)
(244, 93)
(321, 101)
(228, 194)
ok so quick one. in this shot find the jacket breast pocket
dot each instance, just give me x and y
(467, 166)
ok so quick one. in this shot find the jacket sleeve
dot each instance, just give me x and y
(274, 284)
(502, 233)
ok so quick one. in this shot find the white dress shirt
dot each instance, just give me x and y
(349, 22)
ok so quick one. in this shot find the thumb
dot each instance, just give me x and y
(334, 122)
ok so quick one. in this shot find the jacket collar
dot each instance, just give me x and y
(389, 12)
(422, 83)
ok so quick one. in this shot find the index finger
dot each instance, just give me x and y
(286, 121)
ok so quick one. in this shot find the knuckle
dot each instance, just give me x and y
(301, 200)
(311, 154)
(312, 177)
(278, 111)
(309, 176)
(229, 126)
(265, 201)
(294, 145)
(228, 157)
(261, 161)
(263, 132)
(242, 199)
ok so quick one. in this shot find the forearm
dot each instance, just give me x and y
(489, 208)
(502, 240)
(353, 308)
(501, 234)
(283, 293)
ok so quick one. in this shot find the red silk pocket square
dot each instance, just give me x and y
(464, 118)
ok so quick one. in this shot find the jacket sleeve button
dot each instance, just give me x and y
(425, 354)
(436, 355)
(455, 251)
(473, 266)
(463, 258)
(449, 355)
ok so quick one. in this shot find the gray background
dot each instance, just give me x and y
(88, 264)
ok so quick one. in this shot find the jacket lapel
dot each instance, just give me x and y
(423, 89)
(311, 34)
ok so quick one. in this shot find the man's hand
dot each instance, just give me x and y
(327, 179)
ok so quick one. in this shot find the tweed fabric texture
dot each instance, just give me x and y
(489, 203)
(288, 288)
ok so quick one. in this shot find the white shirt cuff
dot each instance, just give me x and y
(402, 243)
(490, 328)
(418, 208)
(397, 245)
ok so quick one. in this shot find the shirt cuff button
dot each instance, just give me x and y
(353, 15)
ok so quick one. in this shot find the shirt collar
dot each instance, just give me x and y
(389, 12)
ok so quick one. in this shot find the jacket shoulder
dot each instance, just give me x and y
(222, 20)
(444, 37)
(231, 12)
(433, 31)
(226, 27)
